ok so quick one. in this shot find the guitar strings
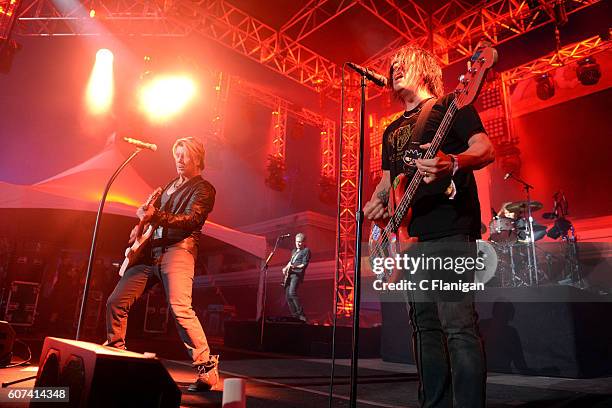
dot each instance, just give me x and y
(405, 202)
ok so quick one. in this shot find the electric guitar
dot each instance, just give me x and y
(287, 268)
(144, 231)
(394, 238)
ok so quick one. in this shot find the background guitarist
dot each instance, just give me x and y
(177, 216)
(294, 272)
(445, 210)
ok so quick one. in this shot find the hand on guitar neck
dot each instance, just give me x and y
(376, 209)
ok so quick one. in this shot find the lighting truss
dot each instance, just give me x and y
(326, 126)
(8, 12)
(345, 256)
(279, 121)
(232, 27)
(314, 15)
(47, 18)
(222, 88)
(566, 55)
(454, 38)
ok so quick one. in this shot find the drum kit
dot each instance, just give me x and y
(514, 233)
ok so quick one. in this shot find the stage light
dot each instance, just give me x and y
(165, 96)
(545, 87)
(588, 71)
(100, 87)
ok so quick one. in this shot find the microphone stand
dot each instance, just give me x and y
(533, 262)
(92, 251)
(358, 235)
(264, 270)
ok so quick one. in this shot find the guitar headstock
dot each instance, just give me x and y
(470, 83)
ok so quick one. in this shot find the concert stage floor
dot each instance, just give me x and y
(278, 381)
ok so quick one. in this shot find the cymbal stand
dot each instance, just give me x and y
(532, 262)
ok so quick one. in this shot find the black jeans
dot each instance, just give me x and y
(291, 295)
(447, 347)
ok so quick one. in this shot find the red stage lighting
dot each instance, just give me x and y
(545, 87)
(588, 71)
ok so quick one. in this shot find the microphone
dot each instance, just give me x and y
(372, 75)
(140, 144)
(285, 236)
(507, 176)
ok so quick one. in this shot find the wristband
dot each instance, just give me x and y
(455, 160)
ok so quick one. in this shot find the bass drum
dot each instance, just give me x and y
(487, 252)
(502, 230)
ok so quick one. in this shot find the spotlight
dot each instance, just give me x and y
(165, 96)
(588, 71)
(100, 86)
(545, 88)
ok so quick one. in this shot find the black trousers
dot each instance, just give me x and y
(293, 301)
(447, 345)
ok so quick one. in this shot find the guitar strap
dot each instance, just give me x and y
(419, 127)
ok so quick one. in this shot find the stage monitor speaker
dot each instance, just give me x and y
(99, 376)
(7, 339)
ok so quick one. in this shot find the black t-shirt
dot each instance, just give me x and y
(434, 215)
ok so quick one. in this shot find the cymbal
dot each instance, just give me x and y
(519, 206)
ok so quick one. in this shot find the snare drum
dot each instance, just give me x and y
(502, 230)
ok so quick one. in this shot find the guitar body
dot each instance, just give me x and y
(144, 231)
(393, 238)
(398, 189)
(286, 270)
(397, 242)
(134, 252)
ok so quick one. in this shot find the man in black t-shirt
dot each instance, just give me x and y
(445, 212)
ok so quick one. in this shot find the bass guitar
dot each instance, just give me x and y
(144, 230)
(394, 238)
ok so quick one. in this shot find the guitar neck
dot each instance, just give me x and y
(408, 197)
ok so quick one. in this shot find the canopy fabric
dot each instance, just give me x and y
(80, 188)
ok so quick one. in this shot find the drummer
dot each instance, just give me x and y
(504, 212)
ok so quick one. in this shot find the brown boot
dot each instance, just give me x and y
(208, 375)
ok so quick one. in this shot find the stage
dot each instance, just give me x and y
(276, 380)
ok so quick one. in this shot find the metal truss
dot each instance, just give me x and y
(407, 18)
(73, 18)
(566, 55)
(222, 88)
(345, 257)
(328, 149)
(314, 15)
(279, 121)
(8, 9)
(496, 21)
(327, 126)
(230, 26)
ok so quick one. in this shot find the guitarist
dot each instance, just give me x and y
(294, 275)
(177, 216)
(445, 210)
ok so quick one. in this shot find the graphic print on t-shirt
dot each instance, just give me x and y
(405, 151)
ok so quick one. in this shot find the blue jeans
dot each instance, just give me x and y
(174, 268)
(448, 349)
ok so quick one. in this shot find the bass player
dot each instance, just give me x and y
(448, 349)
